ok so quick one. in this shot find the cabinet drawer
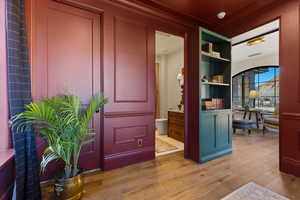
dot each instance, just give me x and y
(176, 118)
(176, 133)
(177, 115)
(176, 121)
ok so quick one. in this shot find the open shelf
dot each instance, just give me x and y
(215, 137)
(216, 84)
(210, 36)
(207, 57)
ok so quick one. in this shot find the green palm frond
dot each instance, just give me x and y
(64, 123)
(95, 104)
(37, 114)
(46, 159)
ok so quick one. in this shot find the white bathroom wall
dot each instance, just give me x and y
(163, 85)
(170, 57)
(175, 61)
(170, 95)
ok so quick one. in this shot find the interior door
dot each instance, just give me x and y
(68, 61)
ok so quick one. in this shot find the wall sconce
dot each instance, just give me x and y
(180, 78)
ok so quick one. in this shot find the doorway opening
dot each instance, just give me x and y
(169, 93)
(255, 89)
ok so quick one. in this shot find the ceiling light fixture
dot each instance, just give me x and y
(255, 41)
(221, 15)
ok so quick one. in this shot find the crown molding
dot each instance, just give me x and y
(165, 7)
(155, 10)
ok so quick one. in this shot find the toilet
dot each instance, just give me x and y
(162, 126)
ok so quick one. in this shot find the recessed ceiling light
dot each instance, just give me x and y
(221, 15)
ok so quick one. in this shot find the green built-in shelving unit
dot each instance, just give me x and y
(215, 124)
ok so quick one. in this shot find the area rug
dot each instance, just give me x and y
(163, 146)
(252, 191)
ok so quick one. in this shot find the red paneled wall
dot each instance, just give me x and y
(289, 15)
(122, 68)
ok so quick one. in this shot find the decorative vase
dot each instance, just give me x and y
(69, 189)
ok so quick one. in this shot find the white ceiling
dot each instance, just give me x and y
(255, 32)
(243, 52)
(166, 43)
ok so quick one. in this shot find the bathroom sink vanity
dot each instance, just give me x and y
(176, 125)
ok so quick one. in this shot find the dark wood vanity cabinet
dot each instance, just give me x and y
(176, 125)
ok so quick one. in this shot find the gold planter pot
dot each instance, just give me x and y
(69, 189)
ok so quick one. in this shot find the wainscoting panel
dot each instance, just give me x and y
(290, 143)
(121, 136)
(128, 136)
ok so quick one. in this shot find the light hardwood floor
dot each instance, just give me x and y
(171, 177)
(179, 145)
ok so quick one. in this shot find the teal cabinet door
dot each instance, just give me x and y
(223, 131)
(215, 134)
(208, 136)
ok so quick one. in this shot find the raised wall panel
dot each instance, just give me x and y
(129, 134)
(122, 133)
(131, 66)
(69, 54)
(128, 139)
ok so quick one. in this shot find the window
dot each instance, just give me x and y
(258, 87)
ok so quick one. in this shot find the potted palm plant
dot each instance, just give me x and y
(64, 123)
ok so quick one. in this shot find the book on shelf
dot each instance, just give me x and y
(213, 104)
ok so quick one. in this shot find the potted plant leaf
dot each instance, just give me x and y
(64, 123)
